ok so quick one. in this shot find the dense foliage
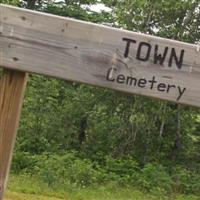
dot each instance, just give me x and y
(85, 135)
(69, 169)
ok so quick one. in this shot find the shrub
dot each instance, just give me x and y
(67, 169)
(70, 169)
(122, 170)
(185, 181)
(23, 162)
(155, 176)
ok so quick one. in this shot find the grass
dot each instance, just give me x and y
(21, 196)
(22, 187)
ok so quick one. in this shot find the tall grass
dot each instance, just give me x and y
(24, 187)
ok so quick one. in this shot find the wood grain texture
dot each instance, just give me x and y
(84, 52)
(12, 86)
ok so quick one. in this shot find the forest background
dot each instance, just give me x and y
(74, 137)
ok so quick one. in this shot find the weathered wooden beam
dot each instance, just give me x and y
(98, 55)
(12, 86)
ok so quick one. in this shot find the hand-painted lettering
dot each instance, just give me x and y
(146, 47)
(150, 83)
(158, 57)
(181, 91)
(173, 56)
(128, 43)
(145, 51)
(142, 82)
(110, 74)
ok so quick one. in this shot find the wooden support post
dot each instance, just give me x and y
(12, 87)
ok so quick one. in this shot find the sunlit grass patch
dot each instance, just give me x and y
(25, 187)
(21, 196)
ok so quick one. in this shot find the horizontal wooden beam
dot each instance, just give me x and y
(98, 55)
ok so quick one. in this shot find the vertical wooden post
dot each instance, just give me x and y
(12, 87)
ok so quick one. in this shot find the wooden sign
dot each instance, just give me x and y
(98, 55)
